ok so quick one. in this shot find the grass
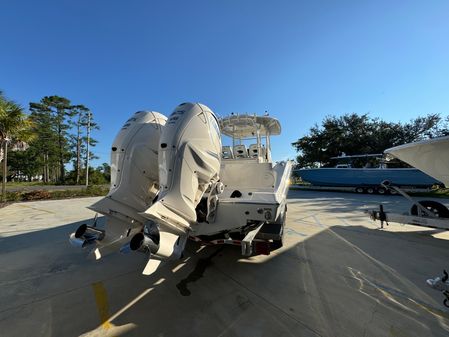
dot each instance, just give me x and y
(91, 191)
(26, 183)
(437, 193)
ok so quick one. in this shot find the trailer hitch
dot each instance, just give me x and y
(379, 215)
(382, 216)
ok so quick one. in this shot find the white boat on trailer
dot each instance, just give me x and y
(172, 180)
(432, 157)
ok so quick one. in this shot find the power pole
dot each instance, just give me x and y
(5, 168)
(87, 146)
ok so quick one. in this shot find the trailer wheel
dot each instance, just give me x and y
(439, 209)
(359, 189)
(370, 190)
(381, 190)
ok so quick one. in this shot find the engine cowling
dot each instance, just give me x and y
(134, 165)
(189, 162)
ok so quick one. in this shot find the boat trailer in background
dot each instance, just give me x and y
(424, 213)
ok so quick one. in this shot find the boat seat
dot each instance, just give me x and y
(253, 151)
(226, 152)
(240, 151)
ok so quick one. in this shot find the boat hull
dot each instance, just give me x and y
(365, 177)
(430, 156)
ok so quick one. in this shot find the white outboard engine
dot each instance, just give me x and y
(134, 163)
(189, 163)
(134, 179)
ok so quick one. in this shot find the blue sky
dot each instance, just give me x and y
(299, 60)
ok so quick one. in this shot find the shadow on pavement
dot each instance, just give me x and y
(343, 281)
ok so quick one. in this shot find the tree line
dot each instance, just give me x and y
(42, 142)
(355, 134)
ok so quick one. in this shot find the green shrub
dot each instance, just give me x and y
(90, 191)
(95, 190)
(13, 196)
(36, 195)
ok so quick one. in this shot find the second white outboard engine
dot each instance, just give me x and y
(134, 180)
(134, 163)
(189, 163)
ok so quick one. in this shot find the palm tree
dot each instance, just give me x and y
(14, 127)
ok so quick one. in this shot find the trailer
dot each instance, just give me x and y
(262, 240)
(368, 189)
(432, 157)
(425, 213)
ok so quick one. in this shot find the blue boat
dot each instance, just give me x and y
(354, 177)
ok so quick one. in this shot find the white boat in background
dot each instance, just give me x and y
(430, 156)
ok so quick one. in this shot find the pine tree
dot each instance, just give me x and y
(51, 116)
(79, 138)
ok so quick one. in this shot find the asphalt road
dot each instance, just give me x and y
(337, 275)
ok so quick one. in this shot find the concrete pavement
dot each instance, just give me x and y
(337, 275)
